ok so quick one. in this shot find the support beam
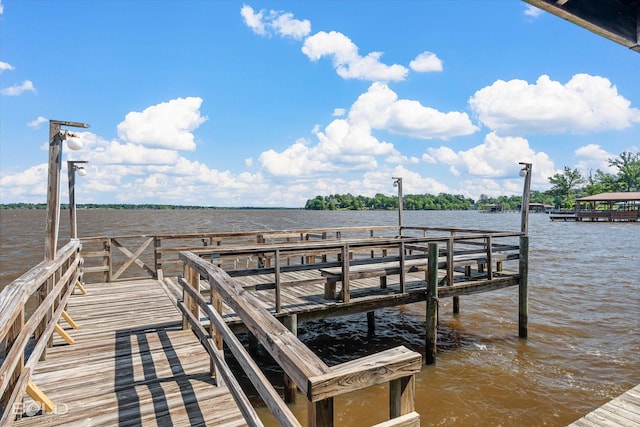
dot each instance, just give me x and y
(432, 305)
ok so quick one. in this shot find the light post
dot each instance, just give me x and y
(56, 136)
(526, 173)
(398, 183)
(72, 168)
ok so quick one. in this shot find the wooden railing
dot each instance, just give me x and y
(609, 215)
(383, 256)
(127, 257)
(30, 308)
(317, 381)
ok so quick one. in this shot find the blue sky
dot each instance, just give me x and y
(225, 103)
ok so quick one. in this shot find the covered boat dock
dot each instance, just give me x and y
(617, 206)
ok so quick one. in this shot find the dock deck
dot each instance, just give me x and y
(623, 411)
(131, 364)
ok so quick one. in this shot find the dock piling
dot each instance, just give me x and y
(432, 305)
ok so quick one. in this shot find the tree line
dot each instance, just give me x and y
(565, 187)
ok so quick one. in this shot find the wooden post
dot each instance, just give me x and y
(12, 335)
(346, 297)
(53, 191)
(432, 305)
(320, 414)
(157, 257)
(402, 396)
(277, 277)
(402, 277)
(106, 260)
(371, 321)
(216, 304)
(290, 389)
(523, 298)
(527, 169)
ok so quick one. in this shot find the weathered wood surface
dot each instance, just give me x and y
(623, 411)
(306, 296)
(130, 364)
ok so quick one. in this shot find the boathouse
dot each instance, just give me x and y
(616, 206)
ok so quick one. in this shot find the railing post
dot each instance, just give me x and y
(106, 260)
(523, 283)
(402, 276)
(192, 277)
(432, 305)
(11, 337)
(216, 303)
(489, 258)
(346, 297)
(277, 279)
(290, 389)
(320, 414)
(402, 396)
(157, 256)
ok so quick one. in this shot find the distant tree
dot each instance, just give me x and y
(565, 183)
(628, 165)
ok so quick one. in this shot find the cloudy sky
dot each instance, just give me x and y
(266, 103)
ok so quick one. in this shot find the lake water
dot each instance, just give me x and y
(584, 314)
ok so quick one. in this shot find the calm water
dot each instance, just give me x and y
(584, 314)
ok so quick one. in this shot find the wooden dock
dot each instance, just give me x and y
(131, 363)
(623, 411)
(151, 350)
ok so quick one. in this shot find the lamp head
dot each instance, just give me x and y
(81, 170)
(523, 172)
(73, 142)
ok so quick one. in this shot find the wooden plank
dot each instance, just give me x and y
(364, 372)
(126, 369)
(623, 410)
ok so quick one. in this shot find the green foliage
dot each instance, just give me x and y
(383, 202)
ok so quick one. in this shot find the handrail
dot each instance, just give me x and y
(154, 259)
(52, 281)
(269, 395)
(317, 381)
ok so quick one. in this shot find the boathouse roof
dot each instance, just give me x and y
(617, 20)
(620, 196)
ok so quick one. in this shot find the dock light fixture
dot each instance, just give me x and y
(73, 166)
(526, 173)
(398, 184)
(56, 136)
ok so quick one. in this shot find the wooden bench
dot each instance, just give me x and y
(414, 264)
(362, 271)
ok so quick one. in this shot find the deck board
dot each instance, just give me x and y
(623, 411)
(131, 364)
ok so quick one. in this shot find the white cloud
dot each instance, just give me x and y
(532, 11)
(349, 144)
(286, 25)
(496, 157)
(1, 8)
(167, 125)
(28, 185)
(3, 65)
(253, 20)
(584, 104)
(16, 90)
(592, 156)
(282, 23)
(426, 62)
(381, 107)
(37, 122)
(339, 112)
(346, 59)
